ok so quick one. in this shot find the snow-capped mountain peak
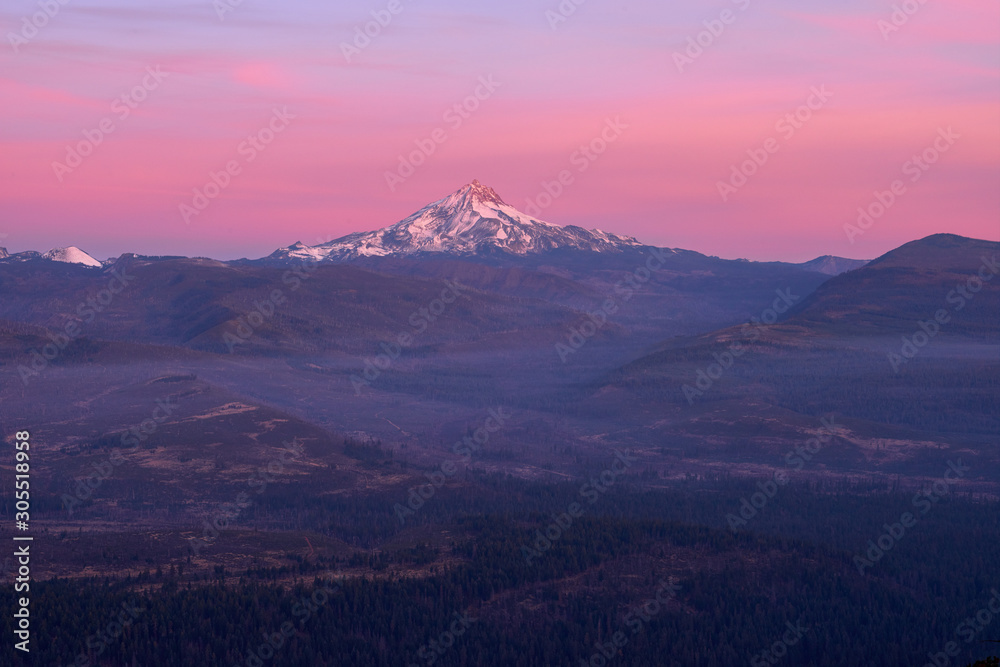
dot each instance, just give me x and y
(71, 255)
(475, 192)
(472, 220)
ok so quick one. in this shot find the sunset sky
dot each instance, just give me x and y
(559, 84)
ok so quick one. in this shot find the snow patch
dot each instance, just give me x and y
(71, 255)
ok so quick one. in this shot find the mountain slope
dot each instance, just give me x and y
(903, 399)
(472, 220)
(833, 266)
(68, 255)
(889, 296)
(71, 255)
(195, 303)
(909, 284)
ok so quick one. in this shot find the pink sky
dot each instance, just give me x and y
(324, 174)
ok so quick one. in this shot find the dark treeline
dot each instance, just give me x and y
(793, 563)
(839, 513)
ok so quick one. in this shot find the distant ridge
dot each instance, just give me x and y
(833, 266)
(71, 255)
(67, 255)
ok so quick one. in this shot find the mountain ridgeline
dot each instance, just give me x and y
(423, 407)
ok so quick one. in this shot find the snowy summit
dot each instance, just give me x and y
(472, 220)
(71, 255)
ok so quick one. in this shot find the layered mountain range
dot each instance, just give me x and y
(161, 390)
(472, 222)
(590, 336)
(67, 255)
